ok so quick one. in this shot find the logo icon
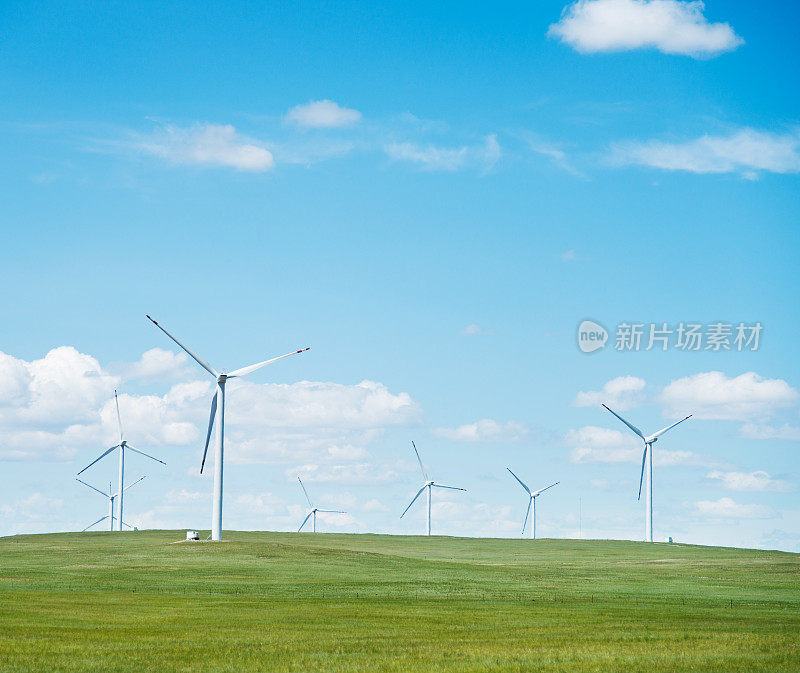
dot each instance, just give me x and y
(591, 336)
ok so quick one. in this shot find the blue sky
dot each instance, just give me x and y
(432, 197)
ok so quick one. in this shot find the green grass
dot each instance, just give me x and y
(304, 602)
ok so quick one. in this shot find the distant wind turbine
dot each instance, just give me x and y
(314, 510)
(122, 446)
(110, 496)
(218, 415)
(648, 456)
(531, 500)
(429, 485)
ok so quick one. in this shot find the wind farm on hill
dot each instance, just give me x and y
(217, 418)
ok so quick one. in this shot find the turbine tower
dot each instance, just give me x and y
(218, 415)
(648, 457)
(531, 500)
(314, 510)
(122, 446)
(429, 485)
(110, 496)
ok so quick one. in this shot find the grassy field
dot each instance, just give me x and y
(304, 602)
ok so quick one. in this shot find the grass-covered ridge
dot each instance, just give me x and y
(304, 602)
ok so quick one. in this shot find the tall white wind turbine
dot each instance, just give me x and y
(429, 485)
(314, 510)
(648, 457)
(218, 416)
(532, 495)
(122, 446)
(111, 497)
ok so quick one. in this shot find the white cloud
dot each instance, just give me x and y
(52, 407)
(601, 445)
(323, 114)
(183, 496)
(374, 505)
(472, 329)
(49, 405)
(569, 256)
(621, 393)
(750, 481)
(260, 504)
(727, 508)
(756, 431)
(435, 158)
(353, 473)
(155, 363)
(746, 151)
(713, 395)
(485, 430)
(671, 26)
(35, 507)
(207, 145)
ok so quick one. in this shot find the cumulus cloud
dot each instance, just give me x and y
(759, 431)
(750, 481)
(475, 329)
(436, 158)
(727, 508)
(155, 363)
(35, 507)
(322, 114)
(713, 395)
(671, 26)
(745, 151)
(48, 405)
(207, 145)
(621, 393)
(569, 256)
(351, 473)
(485, 430)
(51, 407)
(592, 444)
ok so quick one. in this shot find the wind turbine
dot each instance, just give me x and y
(122, 446)
(110, 496)
(218, 414)
(427, 485)
(314, 510)
(531, 500)
(648, 456)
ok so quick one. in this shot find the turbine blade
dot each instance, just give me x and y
(527, 512)
(105, 495)
(310, 504)
(210, 427)
(119, 419)
(100, 457)
(669, 427)
(332, 511)
(194, 356)
(147, 455)
(304, 521)
(542, 490)
(520, 481)
(452, 488)
(632, 427)
(94, 524)
(641, 476)
(125, 523)
(413, 501)
(419, 460)
(133, 483)
(244, 371)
